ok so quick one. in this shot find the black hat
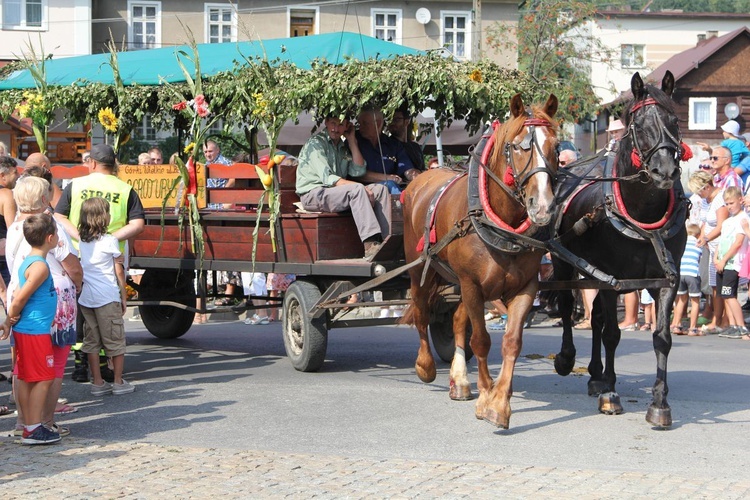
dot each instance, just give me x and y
(103, 153)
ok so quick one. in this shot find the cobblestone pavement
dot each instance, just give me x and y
(80, 468)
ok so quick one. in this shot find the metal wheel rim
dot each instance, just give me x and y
(294, 327)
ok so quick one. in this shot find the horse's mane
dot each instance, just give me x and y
(508, 130)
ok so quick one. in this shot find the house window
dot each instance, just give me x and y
(217, 128)
(633, 56)
(144, 25)
(145, 131)
(302, 22)
(456, 33)
(221, 24)
(386, 25)
(702, 113)
(22, 14)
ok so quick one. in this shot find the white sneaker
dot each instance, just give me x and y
(124, 388)
(135, 317)
(101, 390)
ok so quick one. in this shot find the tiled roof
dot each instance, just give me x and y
(684, 62)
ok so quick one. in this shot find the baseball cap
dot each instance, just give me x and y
(103, 153)
(616, 125)
(731, 127)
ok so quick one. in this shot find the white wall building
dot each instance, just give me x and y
(643, 41)
(64, 27)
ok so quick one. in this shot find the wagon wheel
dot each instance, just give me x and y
(305, 338)
(167, 322)
(441, 332)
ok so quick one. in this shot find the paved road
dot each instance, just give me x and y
(221, 411)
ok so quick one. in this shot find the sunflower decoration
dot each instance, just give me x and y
(108, 120)
(189, 149)
(476, 76)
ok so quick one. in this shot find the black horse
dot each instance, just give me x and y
(625, 215)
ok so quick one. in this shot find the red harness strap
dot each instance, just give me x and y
(649, 226)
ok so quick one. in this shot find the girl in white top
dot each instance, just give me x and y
(103, 300)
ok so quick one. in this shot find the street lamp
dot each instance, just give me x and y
(594, 120)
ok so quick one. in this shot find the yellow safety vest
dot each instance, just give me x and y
(106, 186)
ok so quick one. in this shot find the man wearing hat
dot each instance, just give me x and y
(615, 131)
(127, 218)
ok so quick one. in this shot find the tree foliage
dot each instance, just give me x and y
(556, 48)
(261, 93)
(725, 6)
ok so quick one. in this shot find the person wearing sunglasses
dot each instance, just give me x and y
(724, 174)
(566, 157)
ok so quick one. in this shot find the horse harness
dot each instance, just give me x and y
(613, 210)
(494, 232)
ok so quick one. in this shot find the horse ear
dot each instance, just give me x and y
(636, 86)
(550, 107)
(516, 106)
(667, 83)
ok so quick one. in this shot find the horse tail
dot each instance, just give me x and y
(433, 295)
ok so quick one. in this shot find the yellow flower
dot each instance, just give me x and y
(23, 110)
(189, 148)
(108, 119)
(476, 76)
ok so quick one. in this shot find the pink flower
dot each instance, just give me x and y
(202, 110)
(200, 100)
(180, 106)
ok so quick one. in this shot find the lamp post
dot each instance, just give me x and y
(594, 120)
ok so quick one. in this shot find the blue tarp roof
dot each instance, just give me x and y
(150, 67)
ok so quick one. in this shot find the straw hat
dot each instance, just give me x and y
(615, 126)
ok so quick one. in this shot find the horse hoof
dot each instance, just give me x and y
(597, 387)
(495, 419)
(659, 417)
(609, 403)
(460, 392)
(426, 376)
(563, 366)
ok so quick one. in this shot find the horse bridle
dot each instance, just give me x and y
(529, 141)
(673, 143)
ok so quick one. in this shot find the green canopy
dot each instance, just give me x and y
(151, 67)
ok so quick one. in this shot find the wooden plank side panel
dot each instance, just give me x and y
(306, 238)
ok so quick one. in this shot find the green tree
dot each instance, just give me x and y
(556, 47)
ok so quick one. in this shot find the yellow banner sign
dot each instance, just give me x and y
(153, 182)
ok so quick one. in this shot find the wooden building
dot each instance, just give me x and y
(708, 79)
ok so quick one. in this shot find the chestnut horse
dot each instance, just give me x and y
(632, 228)
(518, 198)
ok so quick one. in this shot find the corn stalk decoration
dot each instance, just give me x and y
(116, 122)
(200, 117)
(270, 108)
(35, 104)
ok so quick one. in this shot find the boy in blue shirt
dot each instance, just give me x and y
(31, 313)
